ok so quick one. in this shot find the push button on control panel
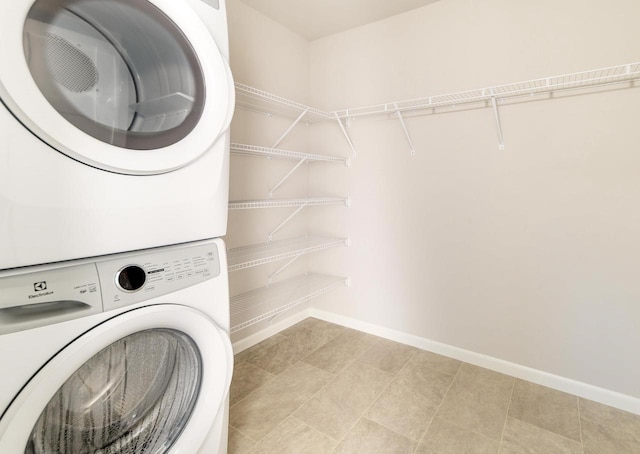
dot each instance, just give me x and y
(131, 278)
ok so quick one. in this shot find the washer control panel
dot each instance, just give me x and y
(132, 278)
(47, 294)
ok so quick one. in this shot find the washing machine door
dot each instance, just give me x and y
(129, 86)
(148, 381)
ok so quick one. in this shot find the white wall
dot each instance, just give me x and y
(267, 56)
(529, 254)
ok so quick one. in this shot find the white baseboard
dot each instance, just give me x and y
(604, 396)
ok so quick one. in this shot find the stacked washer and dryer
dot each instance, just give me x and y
(114, 156)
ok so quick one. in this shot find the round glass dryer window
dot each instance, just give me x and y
(119, 70)
(135, 396)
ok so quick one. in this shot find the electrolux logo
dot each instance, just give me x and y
(40, 287)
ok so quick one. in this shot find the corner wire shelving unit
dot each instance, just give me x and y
(253, 150)
(298, 204)
(268, 302)
(275, 298)
(244, 257)
(287, 203)
(265, 303)
(301, 157)
(257, 100)
(590, 80)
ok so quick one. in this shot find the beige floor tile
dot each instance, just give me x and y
(314, 324)
(522, 438)
(295, 437)
(337, 407)
(609, 416)
(388, 355)
(403, 410)
(419, 377)
(341, 351)
(436, 362)
(299, 343)
(273, 402)
(446, 438)
(478, 401)
(409, 403)
(367, 437)
(546, 408)
(246, 378)
(238, 443)
(599, 438)
(255, 350)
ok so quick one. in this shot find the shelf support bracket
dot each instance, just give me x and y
(404, 128)
(496, 114)
(273, 275)
(286, 177)
(290, 128)
(283, 223)
(346, 135)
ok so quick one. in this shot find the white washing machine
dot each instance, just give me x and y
(126, 354)
(114, 121)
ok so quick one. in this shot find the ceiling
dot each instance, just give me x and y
(313, 19)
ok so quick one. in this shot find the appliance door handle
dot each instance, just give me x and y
(27, 316)
(24, 312)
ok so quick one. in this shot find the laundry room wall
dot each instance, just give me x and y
(267, 56)
(528, 255)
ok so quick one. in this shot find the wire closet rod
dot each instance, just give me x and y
(580, 80)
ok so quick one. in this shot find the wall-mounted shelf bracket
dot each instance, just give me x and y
(346, 134)
(290, 128)
(283, 223)
(286, 177)
(496, 114)
(406, 131)
(273, 275)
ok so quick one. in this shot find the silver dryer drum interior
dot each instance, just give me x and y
(119, 70)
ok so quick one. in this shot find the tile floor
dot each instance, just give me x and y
(320, 388)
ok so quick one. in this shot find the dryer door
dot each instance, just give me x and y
(147, 381)
(128, 86)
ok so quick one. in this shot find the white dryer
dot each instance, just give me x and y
(127, 354)
(114, 122)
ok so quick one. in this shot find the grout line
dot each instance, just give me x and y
(270, 432)
(290, 415)
(244, 435)
(506, 417)
(372, 403)
(272, 379)
(392, 430)
(547, 431)
(362, 415)
(580, 424)
(254, 390)
(468, 430)
(314, 429)
(435, 413)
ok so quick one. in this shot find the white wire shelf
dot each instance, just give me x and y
(259, 254)
(253, 150)
(286, 203)
(267, 302)
(251, 98)
(581, 80)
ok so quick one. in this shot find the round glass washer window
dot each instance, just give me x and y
(119, 70)
(135, 396)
